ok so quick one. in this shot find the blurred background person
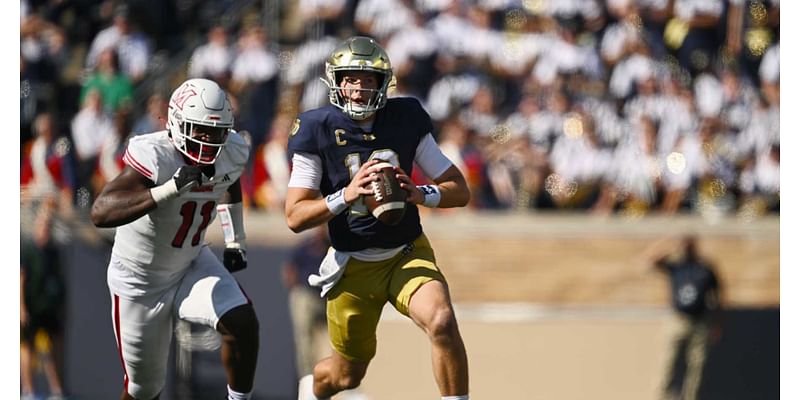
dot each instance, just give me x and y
(306, 307)
(212, 60)
(91, 127)
(254, 81)
(271, 166)
(109, 159)
(696, 300)
(155, 116)
(42, 305)
(48, 166)
(456, 144)
(115, 88)
(132, 46)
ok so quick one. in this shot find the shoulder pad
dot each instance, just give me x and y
(238, 148)
(142, 153)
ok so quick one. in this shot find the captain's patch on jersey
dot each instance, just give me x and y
(295, 127)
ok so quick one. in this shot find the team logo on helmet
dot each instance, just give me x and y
(185, 92)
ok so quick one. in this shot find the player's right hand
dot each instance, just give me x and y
(187, 178)
(361, 183)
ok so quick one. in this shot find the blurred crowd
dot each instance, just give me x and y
(627, 107)
(602, 106)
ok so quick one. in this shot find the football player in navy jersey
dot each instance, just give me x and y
(334, 149)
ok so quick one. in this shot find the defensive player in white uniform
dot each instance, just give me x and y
(174, 184)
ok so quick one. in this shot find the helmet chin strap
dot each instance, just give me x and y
(356, 114)
(361, 112)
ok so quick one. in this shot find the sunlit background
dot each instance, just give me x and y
(591, 132)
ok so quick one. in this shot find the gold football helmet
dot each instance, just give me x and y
(358, 53)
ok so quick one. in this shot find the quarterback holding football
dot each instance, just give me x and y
(343, 156)
(174, 184)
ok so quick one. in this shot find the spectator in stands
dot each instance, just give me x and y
(213, 59)
(381, 18)
(769, 74)
(455, 142)
(760, 182)
(623, 36)
(43, 46)
(132, 46)
(636, 171)
(454, 88)
(44, 54)
(254, 62)
(580, 166)
(481, 114)
(611, 62)
(91, 127)
(739, 100)
(413, 53)
(697, 302)
(154, 118)
(692, 33)
(304, 69)
(254, 81)
(48, 166)
(511, 162)
(654, 14)
(115, 88)
(109, 160)
(271, 166)
(565, 56)
(325, 17)
(751, 28)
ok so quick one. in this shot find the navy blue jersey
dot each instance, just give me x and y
(343, 147)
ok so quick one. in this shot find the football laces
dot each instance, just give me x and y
(376, 191)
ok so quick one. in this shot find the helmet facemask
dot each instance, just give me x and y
(375, 99)
(202, 143)
(199, 120)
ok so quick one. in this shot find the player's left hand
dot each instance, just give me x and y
(415, 196)
(234, 257)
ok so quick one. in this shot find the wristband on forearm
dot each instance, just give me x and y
(432, 195)
(232, 220)
(335, 202)
(167, 191)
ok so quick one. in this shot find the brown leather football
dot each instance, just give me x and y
(388, 201)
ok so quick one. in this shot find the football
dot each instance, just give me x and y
(387, 202)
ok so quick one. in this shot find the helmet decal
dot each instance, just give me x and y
(184, 93)
(199, 119)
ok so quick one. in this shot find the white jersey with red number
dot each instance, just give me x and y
(155, 250)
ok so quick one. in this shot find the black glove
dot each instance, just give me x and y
(187, 178)
(234, 259)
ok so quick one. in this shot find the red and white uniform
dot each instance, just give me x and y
(160, 267)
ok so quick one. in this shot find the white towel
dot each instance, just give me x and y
(330, 271)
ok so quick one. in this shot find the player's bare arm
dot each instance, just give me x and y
(451, 185)
(125, 199)
(306, 209)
